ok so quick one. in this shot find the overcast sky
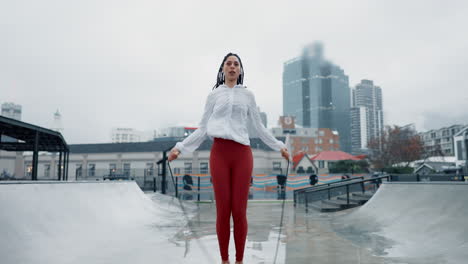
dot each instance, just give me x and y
(148, 64)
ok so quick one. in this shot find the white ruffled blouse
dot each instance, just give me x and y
(230, 113)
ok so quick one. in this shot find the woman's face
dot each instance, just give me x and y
(231, 68)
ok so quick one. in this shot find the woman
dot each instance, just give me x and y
(228, 110)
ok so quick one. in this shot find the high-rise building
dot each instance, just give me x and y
(11, 110)
(367, 95)
(359, 129)
(317, 93)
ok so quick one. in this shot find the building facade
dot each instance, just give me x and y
(125, 135)
(369, 96)
(140, 160)
(461, 148)
(10, 162)
(12, 110)
(317, 93)
(441, 141)
(263, 117)
(359, 129)
(176, 131)
(305, 139)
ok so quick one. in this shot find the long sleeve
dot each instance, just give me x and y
(259, 128)
(194, 140)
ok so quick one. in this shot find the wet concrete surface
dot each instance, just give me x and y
(117, 223)
(305, 238)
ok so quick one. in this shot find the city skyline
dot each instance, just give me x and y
(138, 64)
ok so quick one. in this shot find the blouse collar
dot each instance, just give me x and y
(235, 86)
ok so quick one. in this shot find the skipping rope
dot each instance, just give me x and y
(202, 247)
(282, 215)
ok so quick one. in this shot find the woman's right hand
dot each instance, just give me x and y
(174, 154)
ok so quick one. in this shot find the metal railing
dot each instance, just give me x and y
(319, 193)
(316, 187)
(428, 177)
(326, 192)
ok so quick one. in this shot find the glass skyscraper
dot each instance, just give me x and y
(368, 95)
(317, 93)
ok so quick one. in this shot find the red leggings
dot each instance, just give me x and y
(231, 165)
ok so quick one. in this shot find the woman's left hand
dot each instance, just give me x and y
(284, 153)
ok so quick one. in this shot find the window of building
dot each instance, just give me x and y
(188, 167)
(112, 168)
(57, 169)
(300, 169)
(78, 170)
(149, 169)
(276, 166)
(204, 167)
(318, 148)
(126, 169)
(91, 170)
(330, 141)
(433, 135)
(460, 150)
(321, 164)
(321, 133)
(28, 170)
(47, 170)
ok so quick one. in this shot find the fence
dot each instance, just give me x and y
(367, 184)
(264, 184)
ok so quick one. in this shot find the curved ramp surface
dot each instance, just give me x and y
(412, 223)
(87, 222)
(111, 222)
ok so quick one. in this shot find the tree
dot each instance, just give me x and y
(396, 145)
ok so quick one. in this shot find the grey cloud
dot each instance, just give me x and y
(150, 64)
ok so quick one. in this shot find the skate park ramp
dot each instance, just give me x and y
(412, 223)
(108, 222)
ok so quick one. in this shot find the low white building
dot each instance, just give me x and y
(441, 140)
(126, 135)
(139, 160)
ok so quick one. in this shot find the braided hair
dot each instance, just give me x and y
(220, 78)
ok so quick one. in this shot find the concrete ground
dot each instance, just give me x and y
(306, 238)
(100, 223)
